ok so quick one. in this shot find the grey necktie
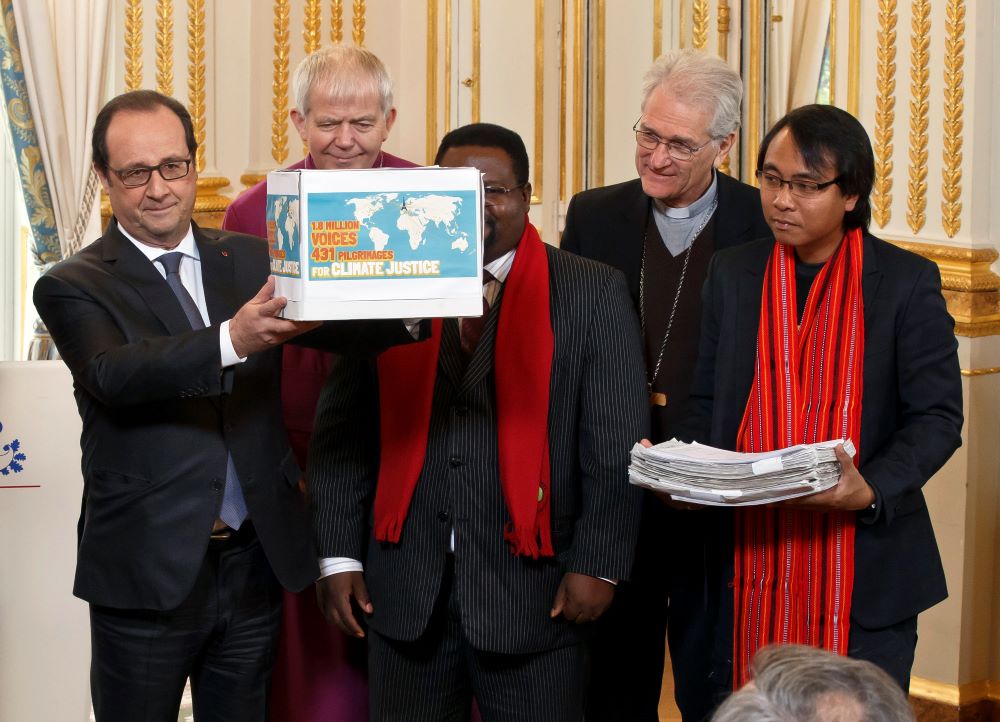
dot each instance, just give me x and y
(234, 506)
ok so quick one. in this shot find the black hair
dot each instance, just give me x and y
(489, 136)
(136, 101)
(826, 135)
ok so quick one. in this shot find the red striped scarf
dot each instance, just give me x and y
(794, 569)
(522, 361)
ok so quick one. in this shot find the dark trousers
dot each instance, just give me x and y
(434, 678)
(891, 648)
(677, 590)
(222, 637)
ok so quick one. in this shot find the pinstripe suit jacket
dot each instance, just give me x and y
(597, 411)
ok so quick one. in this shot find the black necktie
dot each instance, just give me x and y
(471, 328)
(234, 506)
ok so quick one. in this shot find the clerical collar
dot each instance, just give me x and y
(679, 227)
(692, 210)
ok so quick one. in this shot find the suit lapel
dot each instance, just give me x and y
(871, 276)
(217, 276)
(450, 356)
(634, 217)
(128, 264)
(735, 223)
(751, 286)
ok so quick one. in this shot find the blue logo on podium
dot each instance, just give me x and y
(13, 450)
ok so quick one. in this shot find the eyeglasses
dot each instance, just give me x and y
(139, 176)
(677, 151)
(801, 188)
(496, 194)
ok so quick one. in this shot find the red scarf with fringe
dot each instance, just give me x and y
(794, 569)
(522, 363)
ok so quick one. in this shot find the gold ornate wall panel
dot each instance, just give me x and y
(920, 38)
(165, 47)
(951, 173)
(885, 112)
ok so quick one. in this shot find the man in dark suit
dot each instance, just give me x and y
(484, 484)
(661, 231)
(192, 512)
(851, 312)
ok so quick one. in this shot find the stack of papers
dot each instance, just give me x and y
(705, 475)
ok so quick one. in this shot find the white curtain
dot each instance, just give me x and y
(795, 54)
(66, 52)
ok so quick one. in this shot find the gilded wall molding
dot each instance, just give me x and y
(311, 24)
(831, 44)
(279, 84)
(536, 196)
(885, 111)
(447, 65)
(755, 29)
(578, 109)
(599, 79)
(165, 46)
(133, 45)
(699, 24)
(562, 99)
(920, 27)
(854, 57)
(657, 28)
(722, 24)
(970, 288)
(196, 76)
(430, 125)
(336, 21)
(476, 48)
(951, 172)
(358, 25)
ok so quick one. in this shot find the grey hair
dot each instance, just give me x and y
(794, 683)
(702, 80)
(346, 72)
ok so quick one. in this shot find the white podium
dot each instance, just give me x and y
(44, 629)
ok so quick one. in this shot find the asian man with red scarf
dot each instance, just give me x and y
(830, 333)
(483, 478)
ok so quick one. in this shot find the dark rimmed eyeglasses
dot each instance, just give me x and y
(676, 149)
(139, 175)
(801, 188)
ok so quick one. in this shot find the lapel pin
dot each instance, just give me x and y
(225, 253)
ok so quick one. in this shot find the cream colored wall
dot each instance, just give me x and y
(959, 642)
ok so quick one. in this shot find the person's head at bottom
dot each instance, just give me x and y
(794, 683)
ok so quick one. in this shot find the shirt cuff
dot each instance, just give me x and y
(328, 566)
(612, 582)
(227, 352)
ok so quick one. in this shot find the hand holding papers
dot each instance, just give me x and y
(700, 474)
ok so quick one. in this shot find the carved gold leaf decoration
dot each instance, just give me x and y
(359, 22)
(196, 75)
(336, 21)
(951, 173)
(920, 31)
(279, 84)
(133, 44)
(885, 111)
(699, 20)
(165, 46)
(311, 27)
(722, 25)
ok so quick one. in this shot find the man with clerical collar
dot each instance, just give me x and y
(827, 332)
(661, 230)
(482, 479)
(343, 112)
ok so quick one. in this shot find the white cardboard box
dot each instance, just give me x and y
(377, 243)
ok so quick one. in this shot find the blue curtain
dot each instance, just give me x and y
(35, 187)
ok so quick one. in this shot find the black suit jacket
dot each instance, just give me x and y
(911, 409)
(608, 224)
(159, 415)
(597, 411)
